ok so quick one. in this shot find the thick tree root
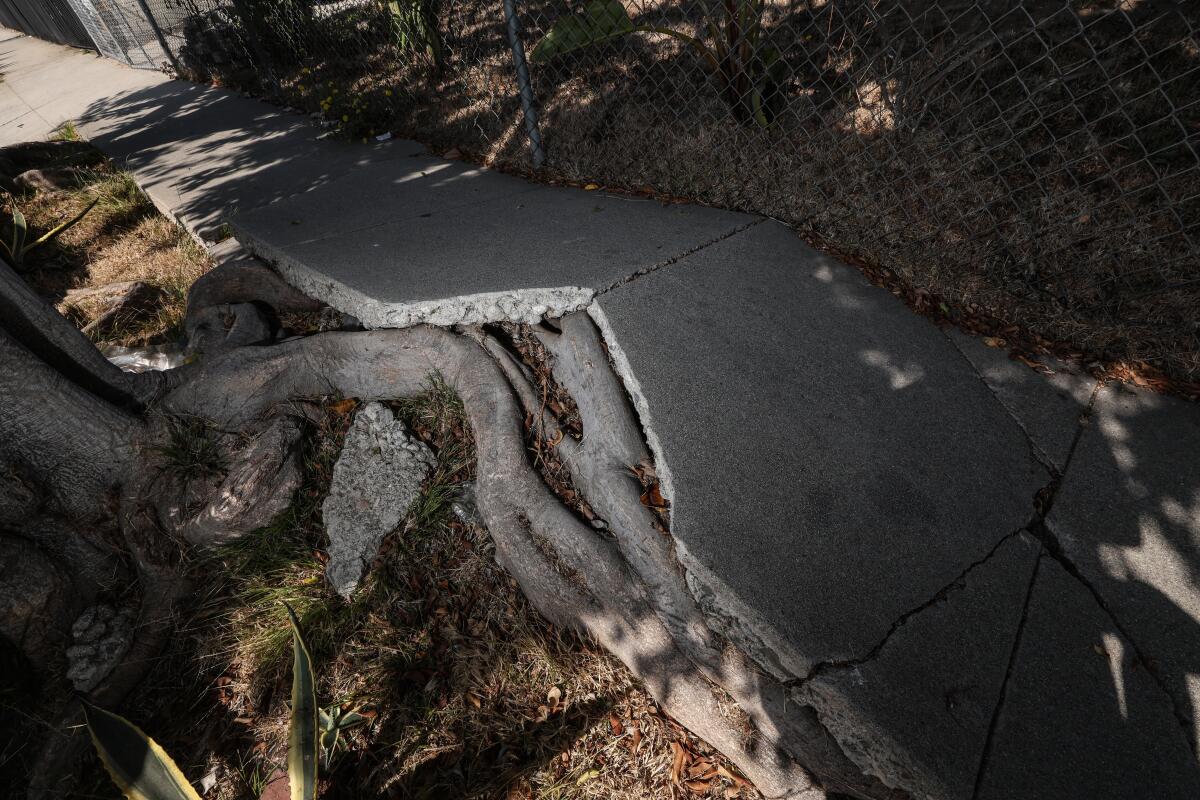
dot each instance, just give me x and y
(624, 587)
(574, 575)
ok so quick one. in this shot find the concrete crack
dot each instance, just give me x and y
(941, 595)
(1035, 451)
(1043, 503)
(1055, 550)
(668, 262)
(988, 742)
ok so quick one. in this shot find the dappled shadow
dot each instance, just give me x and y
(208, 152)
(1128, 520)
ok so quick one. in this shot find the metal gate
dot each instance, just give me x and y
(47, 19)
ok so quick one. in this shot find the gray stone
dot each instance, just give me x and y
(1128, 517)
(917, 714)
(101, 636)
(532, 251)
(49, 179)
(1046, 404)
(832, 462)
(214, 329)
(114, 304)
(375, 480)
(1081, 717)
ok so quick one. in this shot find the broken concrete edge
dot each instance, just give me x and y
(624, 370)
(529, 306)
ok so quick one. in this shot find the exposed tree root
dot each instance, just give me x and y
(625, 589)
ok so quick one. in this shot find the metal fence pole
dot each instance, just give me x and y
(162, 40)
(528, 104)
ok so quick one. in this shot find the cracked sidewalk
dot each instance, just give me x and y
(857, 496)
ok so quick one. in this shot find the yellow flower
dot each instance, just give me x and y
(345, 118)
(387, 92)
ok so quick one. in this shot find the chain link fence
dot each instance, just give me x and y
(1035, 161)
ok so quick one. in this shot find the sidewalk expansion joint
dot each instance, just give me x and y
(1035, 451)
(668, 262)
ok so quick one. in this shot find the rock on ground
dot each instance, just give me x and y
(114, 304)
(101, 634)
(375, 480)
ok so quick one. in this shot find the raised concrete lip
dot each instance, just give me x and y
(516, 305)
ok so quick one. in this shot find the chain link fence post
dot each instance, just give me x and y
(158, 34)
(528, 103)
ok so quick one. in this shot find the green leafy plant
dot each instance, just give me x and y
(414, 26)
(142, 770)
(18, 247)
(750, 70)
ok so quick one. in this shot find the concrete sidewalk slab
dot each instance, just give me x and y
(46, 85)
(810, 424)
(201, 153)
(1128, 518)
(218, 153)
(389, 194)
(531, 250)
(921, 708)
(1081, 718)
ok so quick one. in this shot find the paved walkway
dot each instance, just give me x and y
(860, 498)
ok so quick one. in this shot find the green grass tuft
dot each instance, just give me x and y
(67, 132)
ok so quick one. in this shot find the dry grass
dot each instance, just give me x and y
(471, 693)
(124, 238)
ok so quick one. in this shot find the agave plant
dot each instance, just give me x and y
(143, 770)
(19, 247)
(750, 71)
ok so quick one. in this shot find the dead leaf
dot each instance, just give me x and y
(521, 790)
(994, 341)
(652, 498)
(591, 187)
(343, 407)
(697, 787)
(636, 738)
(553, 697)
(472, 699)
(738, 780)
(678, 763)
(615, 724)
(453, 152)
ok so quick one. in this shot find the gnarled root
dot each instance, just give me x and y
(573, 575)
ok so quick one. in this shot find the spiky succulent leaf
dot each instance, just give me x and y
(600, 21)
(303, 731)
(141, 769)
(17, 249)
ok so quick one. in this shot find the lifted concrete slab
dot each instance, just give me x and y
(401, 190)
(833, 462)
(469, 246)
(918, 712)
(1128, 517)
(1081, 718)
